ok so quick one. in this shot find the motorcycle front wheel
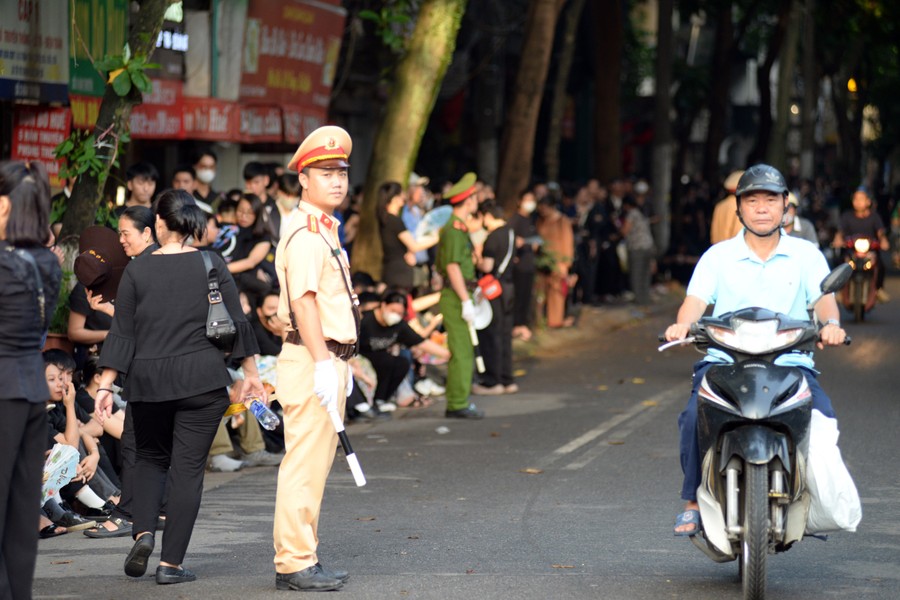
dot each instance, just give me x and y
(755, 541)
(859, 309)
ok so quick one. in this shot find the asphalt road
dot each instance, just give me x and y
(566, 490)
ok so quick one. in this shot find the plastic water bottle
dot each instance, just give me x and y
(268, 419)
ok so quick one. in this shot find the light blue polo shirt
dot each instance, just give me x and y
(730, 276)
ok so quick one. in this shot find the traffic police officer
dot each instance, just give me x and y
(454, 263)
(313, 374)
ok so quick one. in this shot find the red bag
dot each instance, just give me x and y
(490, 287)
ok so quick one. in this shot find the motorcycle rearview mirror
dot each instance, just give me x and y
(835, 280)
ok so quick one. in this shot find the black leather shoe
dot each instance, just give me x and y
(343, 576)
(166, 575)
(310, 579)
(469, 412)
(136, 563)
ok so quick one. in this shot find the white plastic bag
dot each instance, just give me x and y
(834, 502)
(59, 469)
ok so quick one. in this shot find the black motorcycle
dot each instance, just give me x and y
(860, 294)
(753, 429)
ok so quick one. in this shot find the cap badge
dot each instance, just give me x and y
(331, 144)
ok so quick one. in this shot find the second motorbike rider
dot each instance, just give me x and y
(759, 267)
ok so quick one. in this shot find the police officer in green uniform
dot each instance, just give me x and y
(454, 262)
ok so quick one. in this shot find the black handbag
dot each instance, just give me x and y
(220, 329)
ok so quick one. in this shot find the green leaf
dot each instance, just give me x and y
(110, 63)
(66, 146)
(369, 15)
(142, 82)
(122, 84)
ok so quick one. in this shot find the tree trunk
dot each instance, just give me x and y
(662, 127)
(720, 85)
(418, 80)
(776, 155)
(810, 94)
(551, 157)
(610, 40)
(763, 78)
(113, 120)
(517, 149)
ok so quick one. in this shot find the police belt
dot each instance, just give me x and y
(341, 351)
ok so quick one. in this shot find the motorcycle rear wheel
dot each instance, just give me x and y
(755, 540)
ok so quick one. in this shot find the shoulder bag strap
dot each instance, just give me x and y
(212, 279)
(509, 253)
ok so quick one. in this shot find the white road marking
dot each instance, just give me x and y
(644, 406)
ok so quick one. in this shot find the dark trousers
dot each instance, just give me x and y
(391, 371)
(127, 473)
(687, 426)
(523, 282)
(23, 439)
(173, 440)
(495, 341)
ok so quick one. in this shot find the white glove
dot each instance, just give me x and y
(325, 384)
(468, 311)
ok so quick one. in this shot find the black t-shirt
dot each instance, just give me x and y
(394, 270)
(245, 242)
(853, 226)
(84, 402)
(94, 319)
(375, 337)
(496, 246)
(269, 343)
(523, 228)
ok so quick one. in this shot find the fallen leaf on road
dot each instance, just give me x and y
(616, 442)
(61, 562)
(638, 380)
(495, 434)
(469, 571)
(602, 388)
(519, 373)
(531, 471)
(650, 403)
(563, 566)
(412, 537)
(365, 518)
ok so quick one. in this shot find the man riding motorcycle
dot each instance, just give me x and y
(862, 221)
(759, 267)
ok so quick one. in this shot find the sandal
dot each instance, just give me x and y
(688, 517)
(418, 402)
(123, 528)
(52, 530)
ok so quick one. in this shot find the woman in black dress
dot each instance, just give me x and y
(29, 286)
(398, 246)
(176, 379)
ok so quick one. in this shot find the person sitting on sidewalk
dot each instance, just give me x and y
(383, 329)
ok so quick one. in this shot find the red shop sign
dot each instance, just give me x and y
(211, 119)
(160, 116)
(261, 124)
(36, 132)
(300, 122)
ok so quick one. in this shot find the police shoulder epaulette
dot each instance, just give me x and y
(460, 226)
(312, 224)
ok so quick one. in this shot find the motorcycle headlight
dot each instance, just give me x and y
(754, 337)
(861, 245)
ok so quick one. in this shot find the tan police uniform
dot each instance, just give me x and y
(306, 261)
(725, 223)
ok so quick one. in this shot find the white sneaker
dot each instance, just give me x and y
(386, 406)
(262, 458)
(222, 463)
(428, 387)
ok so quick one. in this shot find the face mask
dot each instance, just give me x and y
(528, 206)
(391, 318)
(206, 175)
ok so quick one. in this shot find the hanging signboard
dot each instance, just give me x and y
(34, 44)
(291, 49)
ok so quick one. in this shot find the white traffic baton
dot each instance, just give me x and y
(338, 423)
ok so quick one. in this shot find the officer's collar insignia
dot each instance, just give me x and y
(326, 222)
(460, 226)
